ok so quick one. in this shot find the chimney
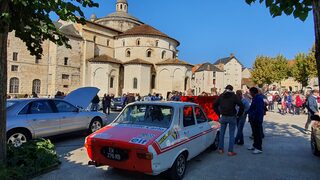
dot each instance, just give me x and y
(232, 55)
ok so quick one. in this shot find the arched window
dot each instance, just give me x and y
(153, 81)
(123, 43)
(111, 82)
(163, 55)
(186, 83)
(14, 85)
(135, 83)
(149, 53)
(157, 43)
(138, 42)
(94, 39)
(36, 86)
(108, 42)
(128, 53)
(120, 6)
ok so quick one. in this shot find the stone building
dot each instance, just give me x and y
(117, 53)
(208, 77)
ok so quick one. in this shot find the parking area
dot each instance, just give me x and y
(286, 155)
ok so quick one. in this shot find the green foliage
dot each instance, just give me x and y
(299, 8)
(29, 159)
(304, 68)
(267, 70)
(31, 21)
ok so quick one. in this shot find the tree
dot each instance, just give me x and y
(300, 9)
(31, 22)
(280, 69)
(262, 71)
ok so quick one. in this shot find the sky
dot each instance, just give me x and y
(213, 29)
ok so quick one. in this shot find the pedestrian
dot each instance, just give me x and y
(256, 114)
(124, 100)
(107, 104)
(104, 103)
(58, 95)
(95, 103)
(225, 107)
(313, 108)
(298, 103)
(34, 95)
(241, 120)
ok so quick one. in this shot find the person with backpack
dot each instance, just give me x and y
(298, 103)
(225, 106)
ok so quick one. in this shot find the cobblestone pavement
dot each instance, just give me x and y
(286, 155)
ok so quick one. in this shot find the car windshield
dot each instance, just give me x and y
(117, 99)
(10, 104)
(148, 115)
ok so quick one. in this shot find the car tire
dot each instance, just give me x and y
(95, 125)
(179, 167)
(314, 148)
(215, 143)
(18, 137)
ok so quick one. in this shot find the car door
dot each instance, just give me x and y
(190, 131)
(204, 127)
(71, 119)
(43, 119)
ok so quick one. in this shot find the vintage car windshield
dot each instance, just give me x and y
(148, 115)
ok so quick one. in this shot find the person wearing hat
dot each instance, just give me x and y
(226, 107)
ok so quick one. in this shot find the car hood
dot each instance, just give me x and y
(82, 97)
(134, 134)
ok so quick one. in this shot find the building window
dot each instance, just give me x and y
(66, 61)
(123, 43)
(163, 55)
(128, 53)
(94, 39)
(111, 82)
(153, 81)
(15, 56)
(108, 42)
(138, 42)
(135, 83)
(157, 43)
(65, 86)
(65, 76)
(14, 85)
(36, 86)
(214, 82)
(14, 68)
(121, 6)
(149, 53)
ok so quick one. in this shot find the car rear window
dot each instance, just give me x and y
(148, 115)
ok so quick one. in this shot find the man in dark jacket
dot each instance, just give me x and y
(256, 114)
(225, 106)
(313, 108)
(95, 103)
(107, 104)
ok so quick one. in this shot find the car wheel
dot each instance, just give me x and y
(179, 167)
(215, 143)
(314, 147)
(18, 137)
(95, 125)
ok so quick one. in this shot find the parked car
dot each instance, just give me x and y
(152, 137)
(35, 118)
(315, 138)
(116, 104)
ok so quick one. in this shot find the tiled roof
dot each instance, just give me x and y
(105, 59)
(145, 29)
(138, 61)
(226, 60)
(195, 68)
(174, 62)
(208, 67)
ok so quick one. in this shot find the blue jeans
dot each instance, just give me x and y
(240, 125)
(224, 121)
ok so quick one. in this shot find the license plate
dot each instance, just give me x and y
(113, 154)
(119, 107)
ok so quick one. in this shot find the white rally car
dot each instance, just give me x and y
(152, 137)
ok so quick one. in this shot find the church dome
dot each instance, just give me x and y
(145, 29)
(122, 1)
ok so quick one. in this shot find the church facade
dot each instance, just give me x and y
(117, 53)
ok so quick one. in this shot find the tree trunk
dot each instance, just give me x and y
(316, 16)
(3, 84)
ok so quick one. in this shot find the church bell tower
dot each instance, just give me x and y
(122, 6)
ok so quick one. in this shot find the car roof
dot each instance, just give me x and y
(165, 103)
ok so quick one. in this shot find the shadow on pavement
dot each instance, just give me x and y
(286, 155)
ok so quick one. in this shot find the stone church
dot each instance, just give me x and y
(117, 53)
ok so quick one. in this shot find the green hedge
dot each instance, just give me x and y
(29, 160)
